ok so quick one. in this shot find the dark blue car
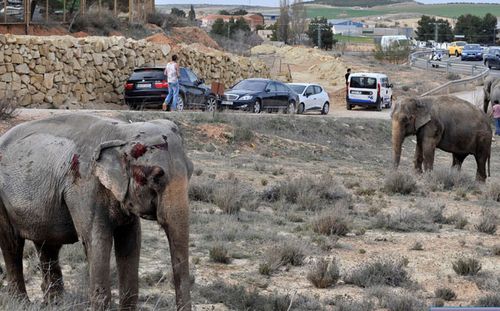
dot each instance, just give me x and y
(472, 52)
(492, 57)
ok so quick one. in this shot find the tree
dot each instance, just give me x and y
(426, 29)
(240, 12)
(192, 14)
(320, 25)
(470, 26)
(224, 12)
(283, 30)
(489, 25)
(177, 12)
(218, 27)
(297, 21)
(230, 28)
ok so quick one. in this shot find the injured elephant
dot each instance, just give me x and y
(445, 122)
(82, 177)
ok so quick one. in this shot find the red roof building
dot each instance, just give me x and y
(253, 20)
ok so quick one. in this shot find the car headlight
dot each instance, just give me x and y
(246, 97)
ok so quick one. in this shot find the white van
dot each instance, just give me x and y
(400, 41)
(369, 90)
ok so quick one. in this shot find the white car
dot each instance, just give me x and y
(312, 97)
(370, 90)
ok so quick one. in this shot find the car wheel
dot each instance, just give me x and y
(211, 104)
(257, 107)
(456, 53)
(389, 105)
(326, 108)
(291, 108)
(488, 65)
(180, 103)
(348, 106)
(301, 108)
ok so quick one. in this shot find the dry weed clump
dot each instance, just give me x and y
(7, 109)
(466, 266)
(403, 302)
(309, 193)
(382, 271)
(449, 179)
(491, 300)
(324, 274)
(288, 253)
(488, 222)
(407, 219)
(492, 193)
(346, 304)
(445, 293)
(331, 223)
(400, 183)
(218, 253)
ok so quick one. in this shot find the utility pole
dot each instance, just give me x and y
(436, 36)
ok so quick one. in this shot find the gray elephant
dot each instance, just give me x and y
(85, 177)
(491, 91)
(445, 122)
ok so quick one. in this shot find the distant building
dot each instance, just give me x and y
(379, 32)
(265, 34)
(253, 20)
(270, 19)
(346, 27)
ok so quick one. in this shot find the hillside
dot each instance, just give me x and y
(361, 3)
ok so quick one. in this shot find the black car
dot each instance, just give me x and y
(492, 57)
(260, 94)
(148, 87)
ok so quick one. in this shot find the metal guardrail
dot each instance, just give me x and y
(423, 56)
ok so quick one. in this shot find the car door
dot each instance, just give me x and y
(308, 100)
(269, 96)
(318, 98)
(197, 93)
(281, 100)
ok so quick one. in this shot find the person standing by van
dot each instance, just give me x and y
(348, 73)
(172, 72)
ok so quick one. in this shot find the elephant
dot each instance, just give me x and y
(491, 91)
(83, 177)
(445, 122)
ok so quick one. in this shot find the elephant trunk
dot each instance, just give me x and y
(397, 142)
(173, 216)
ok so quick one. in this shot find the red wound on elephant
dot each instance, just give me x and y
(138, 150)
(75, 166)
(139, 175)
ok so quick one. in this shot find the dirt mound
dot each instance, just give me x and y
(190, 35)
(161, 38)
(34, 30)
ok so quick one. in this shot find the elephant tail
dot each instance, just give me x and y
(489, 173)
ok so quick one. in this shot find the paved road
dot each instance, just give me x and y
(493, 72)
(456, 66)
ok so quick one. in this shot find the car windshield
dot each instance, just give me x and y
(250, 85)
(297, 88)
(147, 74)
(461, 43)
(472, 47)
(363, 82)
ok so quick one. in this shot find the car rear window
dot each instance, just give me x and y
(472, 47)
(148, 74)
(297, 88)
(250, 85)
(363, 82)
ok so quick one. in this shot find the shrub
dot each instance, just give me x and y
(7, 109)
(403, 302)
(405, 220)
(445, 293)
(218, 253)
(493, 192)
(466, 266)
(380, 272)
(449, 179)
(453, 76)
(458, 220)
(491, 300)
(417, 246)
(496, 250)
(331, 223)
(345, 304)
(324, 274)
(488, 223)
(101, 22)
(201, 190)
(242, 134)
(227, 198)
(399, 182)
(282, 255)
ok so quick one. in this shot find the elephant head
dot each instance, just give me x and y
(407, 117)
(148, 174)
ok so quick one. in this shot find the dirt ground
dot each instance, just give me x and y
(241, 159)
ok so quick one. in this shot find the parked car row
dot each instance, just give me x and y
(148, 87)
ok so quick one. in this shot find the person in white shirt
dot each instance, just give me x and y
(172, 72)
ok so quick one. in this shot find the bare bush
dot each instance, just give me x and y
(449, 179)
(288, 253)
(345, 304)
(492, 193)
(380, 272)
(100, 22)
(487, 223)
(491, 300)
(445, 293)
(7, 109)
(403, 302)
(399, 182)
(466, 266)
(331, 223)
(324, 274)
(218, 253)
(405, 220)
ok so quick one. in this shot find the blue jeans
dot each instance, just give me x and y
(497, 123)
(173, 94)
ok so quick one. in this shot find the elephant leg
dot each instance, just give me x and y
(458, 159)
(481, 167)
(419, 157)
(98, 253)
(12, 246)
(428, 150)
(52, 283)
(127, 251)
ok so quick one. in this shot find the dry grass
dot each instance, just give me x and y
(379, 272)
(219, 254)
(445, 293)
(324, 274)
(466, 266)
(398, 182)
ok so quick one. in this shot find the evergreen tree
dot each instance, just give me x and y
(218, 27)
(470, 26)
(192, 14)
(178, 12)
(320, 24)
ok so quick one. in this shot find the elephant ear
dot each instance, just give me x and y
(111, 169)
(423, 113)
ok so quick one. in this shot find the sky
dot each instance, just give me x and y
(275, 3)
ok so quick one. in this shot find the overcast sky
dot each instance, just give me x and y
(276, 2)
